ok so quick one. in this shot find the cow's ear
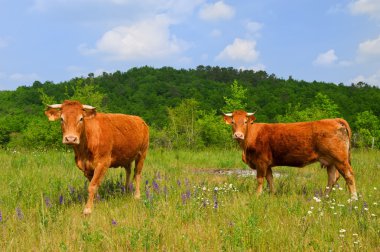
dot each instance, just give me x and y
(227, 119)
(251, 118)
(89, 111)
(53, 114)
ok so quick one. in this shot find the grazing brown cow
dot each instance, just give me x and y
(101, 141)
(266, 145)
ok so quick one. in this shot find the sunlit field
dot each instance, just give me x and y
(191, 201)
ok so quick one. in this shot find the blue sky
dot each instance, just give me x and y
(56, 40)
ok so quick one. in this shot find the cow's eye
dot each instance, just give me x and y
(81, 119)
(61, 119)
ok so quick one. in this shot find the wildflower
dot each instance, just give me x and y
(356, 207)
(47, 202)
(312, 208)
(114, 222)
(1, 217)
(179, 183)
(340, 205)
(309, 212)
(342, 230)
(61, 200)
(317, 199)
(204, 188)
(230, 186)
(155, 186)
(216, 188)
(19, 213)
(341, 235)
(130, 187)
(375, 203)
(355, 234)
(356, 242)
(340, 188)
(373, 215)
(366, 209)
(375, 188)
(327, 187)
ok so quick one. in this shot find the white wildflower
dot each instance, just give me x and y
(366, 208)
(342, 230)
(309, 212)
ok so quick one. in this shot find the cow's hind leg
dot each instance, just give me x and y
(332, 178)
(139, 163)
(345, 170)
(269, 177)
(128, 185)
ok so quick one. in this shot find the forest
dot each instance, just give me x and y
(183, 107)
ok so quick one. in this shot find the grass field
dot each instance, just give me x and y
(186, 205)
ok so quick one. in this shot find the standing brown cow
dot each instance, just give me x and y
(101, 141)
(267, 145)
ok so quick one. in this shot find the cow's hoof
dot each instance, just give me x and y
(87, 211)
(354, 197)
(137, 196)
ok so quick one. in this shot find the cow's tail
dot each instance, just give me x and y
(345, 124)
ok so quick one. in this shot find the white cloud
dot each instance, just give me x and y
(148, 39)
(365, 7)
(240, 50)
(257, 67)
(216, 11)
(373, 79)
(369, 49)
(326, 58)
(253, 27)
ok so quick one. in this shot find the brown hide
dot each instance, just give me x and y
(267, 145)
(101, 141)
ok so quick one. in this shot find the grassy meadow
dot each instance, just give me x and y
(189, 203)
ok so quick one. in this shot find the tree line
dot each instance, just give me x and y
(183, 106)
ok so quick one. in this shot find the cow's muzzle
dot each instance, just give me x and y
(70, 140)
(238, 135)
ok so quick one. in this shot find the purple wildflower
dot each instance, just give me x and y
(19, 213)
(188, 194)
(146, 182)
(183, 196)
(1, 217)
(61, 199)
(179, 183)
(215, 201)
(158, 175)
(156, 188)
(114, 222)
(148, 194)
(47, 202)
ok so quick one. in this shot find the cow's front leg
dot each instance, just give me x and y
(261, 173)
(97, 178)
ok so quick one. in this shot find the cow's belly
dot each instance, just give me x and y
(295, 159)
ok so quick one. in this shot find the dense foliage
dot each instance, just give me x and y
(183, 107)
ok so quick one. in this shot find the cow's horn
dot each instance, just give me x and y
(227, 114)
(249, 114)
(55, 106)
(88, 107)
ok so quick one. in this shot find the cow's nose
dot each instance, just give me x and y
(71, 139)
(239, 135)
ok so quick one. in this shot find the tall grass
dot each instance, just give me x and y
(185, 206)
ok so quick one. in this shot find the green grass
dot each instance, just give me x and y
(185, 206)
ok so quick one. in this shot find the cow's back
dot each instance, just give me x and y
(299, 144)
(121, 136)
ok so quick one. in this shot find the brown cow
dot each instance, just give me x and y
(101, 141)
(267, 145)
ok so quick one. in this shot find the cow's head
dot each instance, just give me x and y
(239, 120)
(72, 115)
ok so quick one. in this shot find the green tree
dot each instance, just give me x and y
(322, 107)
(237, 100)
(367, 126)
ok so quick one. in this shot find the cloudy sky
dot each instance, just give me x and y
(55, 40)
